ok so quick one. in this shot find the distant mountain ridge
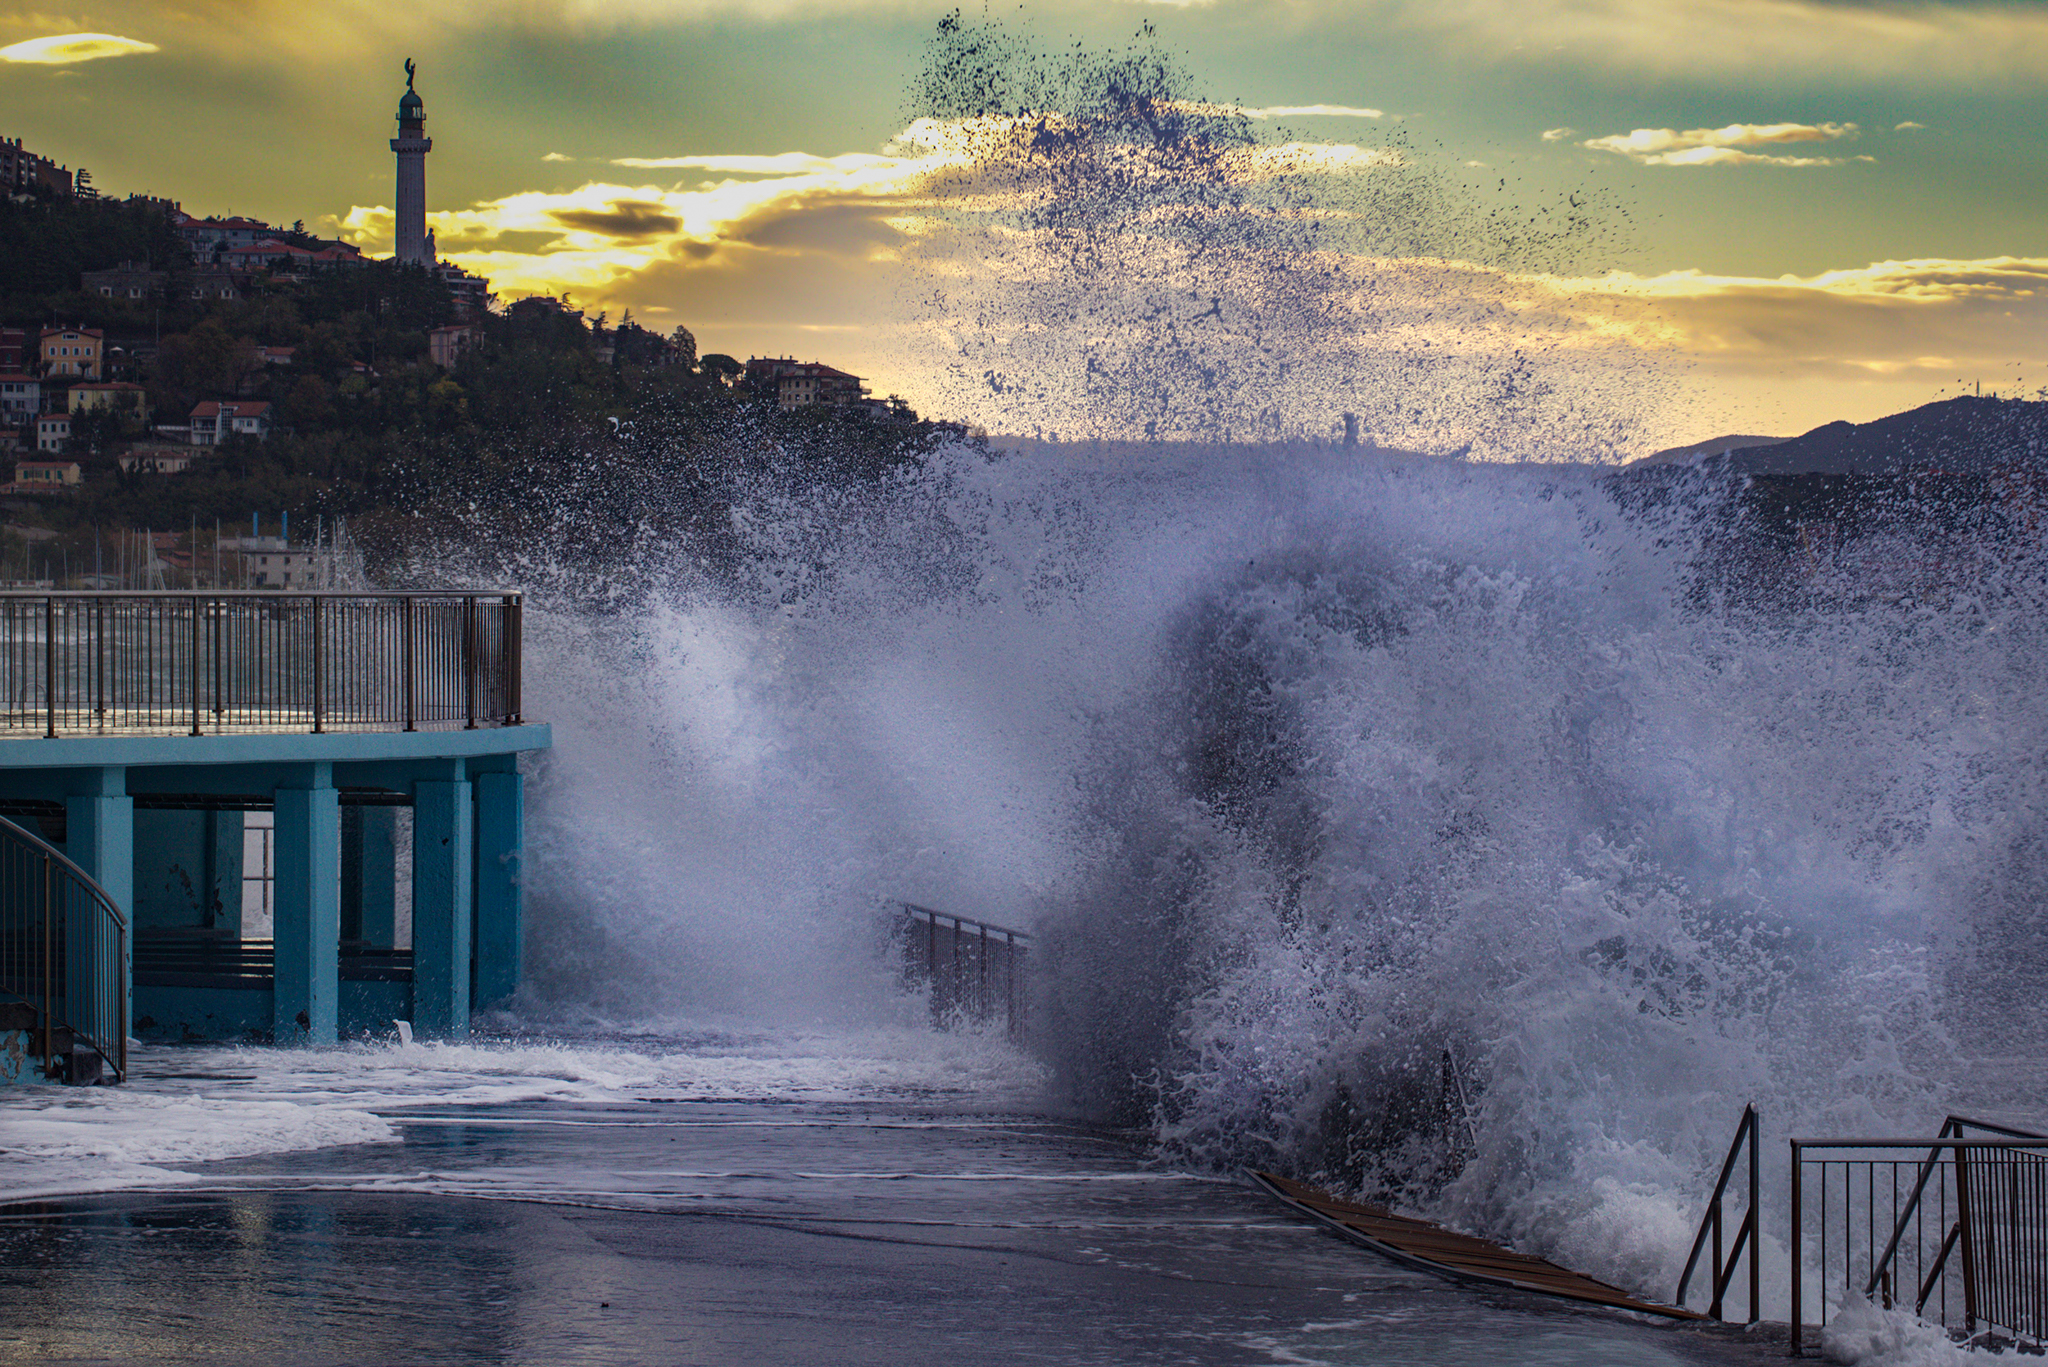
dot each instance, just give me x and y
(1970, 435)
(1717, 446)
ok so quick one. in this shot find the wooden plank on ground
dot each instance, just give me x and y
(1432, 1248)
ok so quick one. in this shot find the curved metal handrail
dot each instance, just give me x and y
(63, 949)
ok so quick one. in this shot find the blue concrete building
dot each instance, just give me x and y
(138, 732)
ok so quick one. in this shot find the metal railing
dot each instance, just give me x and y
(973, 970)
(1721, 1271)
(63, 957)
(237, 661)
(1954, 1227)
(171, 959)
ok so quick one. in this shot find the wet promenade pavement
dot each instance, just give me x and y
(896, 1230)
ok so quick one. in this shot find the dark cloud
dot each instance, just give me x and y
(845, 228)
(626, 218)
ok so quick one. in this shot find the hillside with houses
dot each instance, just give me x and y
(164, 370)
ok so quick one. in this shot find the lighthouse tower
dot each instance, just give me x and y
(414, 244)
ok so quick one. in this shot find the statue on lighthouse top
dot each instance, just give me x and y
(411, 108)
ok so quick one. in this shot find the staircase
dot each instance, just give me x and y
(63, 968)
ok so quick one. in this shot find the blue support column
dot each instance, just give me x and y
(442, 857)
(500, 900)
(100, 838)
(224, 873)
(308, 910)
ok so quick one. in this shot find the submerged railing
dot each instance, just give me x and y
(1954, 1228)
(973, 970)
(215, 663)
(63, 961)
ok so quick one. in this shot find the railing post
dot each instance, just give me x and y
(49, 958)
(197, 730)
(319, 670)
(1970, 1251)
(1755, 1222)
(99, 665)
(469, 660)
(50, 667)
(1798, 1309)
(1714, 1216)
(510, 647)
(405, 663)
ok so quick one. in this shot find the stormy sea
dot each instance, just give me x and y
(1402, 795)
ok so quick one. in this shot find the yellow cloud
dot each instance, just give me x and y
(68, 49)
(780, 164)
(1721, 146)
(1314, 111)
(592, 238)
(925, 266)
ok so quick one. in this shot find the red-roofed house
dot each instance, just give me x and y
(284, 258)
(799, 384)
(206, 235)
(217, 419)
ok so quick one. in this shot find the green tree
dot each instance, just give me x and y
(208, 361)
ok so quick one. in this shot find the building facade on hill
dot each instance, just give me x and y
(541, 304)
(131, 401)
(14, 350)
(158, 460)
(129, 280)
(72, 353)
(473, 297)
(217, 282)
(21, 398)
(205, 236)
(53, 431)
(413, 244)
(285, 259)
(48, 473)
(801, 384)
(446, 345)
(22, 172)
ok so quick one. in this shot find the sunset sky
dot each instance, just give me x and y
(1820, 210)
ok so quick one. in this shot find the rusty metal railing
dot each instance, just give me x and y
(1954, 1227)
(974, 971)
(63, 959)
(1721, 1271)
(210, 663)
